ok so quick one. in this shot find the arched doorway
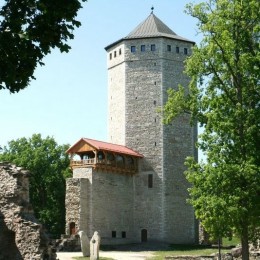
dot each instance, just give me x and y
(144, 235)
(72, 228)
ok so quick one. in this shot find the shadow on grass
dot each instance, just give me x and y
(152, 247)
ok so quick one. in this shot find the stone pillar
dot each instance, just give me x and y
(84, 243)
(94, 246)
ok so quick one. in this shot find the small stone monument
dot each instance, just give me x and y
(84, 243)
(94, 246)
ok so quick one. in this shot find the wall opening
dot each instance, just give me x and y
(144, 235)
(72, 228)
(8, 247)
(150, 180)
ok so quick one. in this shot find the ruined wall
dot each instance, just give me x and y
(22, 236)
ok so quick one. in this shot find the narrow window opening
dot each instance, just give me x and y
(155, 83)
(123, 234)
(110, 56)
(142, 48)
(150, 180)
(185, 51)
(169, 48)
(114, 54)
(153, 47)
(113, 233)
(155, 120)
(154, 102)
(177, 49)
(120, 51)
(133, 49)
(154, 64)
(154, 143)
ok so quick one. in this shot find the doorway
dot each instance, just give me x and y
(144, 235)
(72, 228)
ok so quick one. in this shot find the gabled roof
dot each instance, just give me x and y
(103, 146)
(151, 27)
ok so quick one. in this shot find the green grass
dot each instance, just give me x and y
(233, 242)
(177, 250)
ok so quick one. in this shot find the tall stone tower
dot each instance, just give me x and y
(141, 67)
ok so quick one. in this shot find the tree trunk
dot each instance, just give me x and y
(244, 243)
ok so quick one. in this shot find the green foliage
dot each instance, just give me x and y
(48, 165)
(224, 98)
(29, 29)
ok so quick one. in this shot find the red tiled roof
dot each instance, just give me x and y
(100, 145)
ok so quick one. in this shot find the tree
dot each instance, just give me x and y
(48, 166)
(224, 98)
(29, 29)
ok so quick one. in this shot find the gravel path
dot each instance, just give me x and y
(117, 255)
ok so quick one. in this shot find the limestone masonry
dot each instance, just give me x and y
(21, 236)
(139, 194)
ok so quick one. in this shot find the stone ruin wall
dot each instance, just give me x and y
(21, 237)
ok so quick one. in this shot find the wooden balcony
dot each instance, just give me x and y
(120, 167)
(104, 156)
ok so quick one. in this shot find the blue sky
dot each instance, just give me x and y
(68, 99)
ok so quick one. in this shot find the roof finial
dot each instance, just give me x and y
(152, 9)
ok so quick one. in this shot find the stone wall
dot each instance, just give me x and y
(22, 236)
(101, 201)
(138, 81)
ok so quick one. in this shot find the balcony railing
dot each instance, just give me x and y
(102, 163)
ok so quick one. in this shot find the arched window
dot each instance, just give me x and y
(119, 160)
(100, 155)
(129, 161)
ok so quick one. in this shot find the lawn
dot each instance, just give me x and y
(178, 250)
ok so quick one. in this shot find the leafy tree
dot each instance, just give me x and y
(48, 166)
(29, 29)
(224, 98)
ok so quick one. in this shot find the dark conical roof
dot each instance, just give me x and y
(151, 27)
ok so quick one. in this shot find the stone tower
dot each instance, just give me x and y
(141, 67)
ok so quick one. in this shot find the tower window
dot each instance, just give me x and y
(123, 234)
(153, 47)
(110, 56)
(142, 48)
(155, 83)
(169, 48)
(185, 51)
(120, 51)
(113, 233)
(177, 49)
(155, 120)
(150, 180)
(114, 53)
(133, 49)
(154, 102)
